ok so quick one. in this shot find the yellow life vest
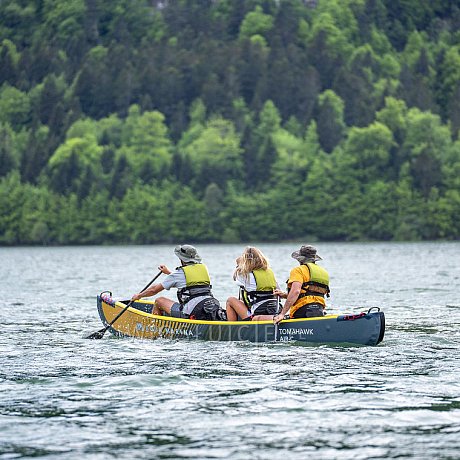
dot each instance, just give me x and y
(197, 282)
(265, 284)
(318, 283)
(313, 290)
(196, 274)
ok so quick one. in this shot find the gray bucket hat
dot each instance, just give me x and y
(187, 253)
(306, 254)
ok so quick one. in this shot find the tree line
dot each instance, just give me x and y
(157, 121)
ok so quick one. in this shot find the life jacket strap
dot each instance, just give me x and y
(243, 296)
(258, 296)
(315, 288)
(188, 293)
(310, 293)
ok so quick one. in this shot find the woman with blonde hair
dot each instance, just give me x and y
(257, 282)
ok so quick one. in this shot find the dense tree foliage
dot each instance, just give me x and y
(148, 121)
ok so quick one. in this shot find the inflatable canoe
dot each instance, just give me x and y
(365, 328)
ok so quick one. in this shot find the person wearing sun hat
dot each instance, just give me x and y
(308, 284)
(191, 279)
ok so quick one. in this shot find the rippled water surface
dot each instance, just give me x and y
(62, 396)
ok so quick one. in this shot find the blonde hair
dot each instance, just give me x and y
(251, 259)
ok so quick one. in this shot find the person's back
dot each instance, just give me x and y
(193, 284)
(194, 292)
(308, 284)
(257, 283)
(314, 286)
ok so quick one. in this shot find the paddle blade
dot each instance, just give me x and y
(97, 335)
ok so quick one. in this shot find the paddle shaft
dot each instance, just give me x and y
(130, 302)
(102, 331)
(277, 311)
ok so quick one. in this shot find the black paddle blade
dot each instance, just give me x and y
(97, 335)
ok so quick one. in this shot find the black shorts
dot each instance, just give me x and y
(310, 310)
(209, 310)
(270, 307)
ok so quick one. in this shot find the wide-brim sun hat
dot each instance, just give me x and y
(187, 253)
(306, 253)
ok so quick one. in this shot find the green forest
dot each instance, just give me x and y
(145, 121)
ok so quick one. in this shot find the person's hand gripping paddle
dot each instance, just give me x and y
(100, 334)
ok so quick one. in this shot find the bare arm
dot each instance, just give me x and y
(290, 301)
(152, 290)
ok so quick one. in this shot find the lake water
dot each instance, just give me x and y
(62, 396)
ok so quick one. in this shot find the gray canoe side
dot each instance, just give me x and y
(364, 330)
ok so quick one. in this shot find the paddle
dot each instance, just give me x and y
(278, 301)
(100, 334)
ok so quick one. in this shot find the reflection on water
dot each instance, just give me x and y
(65, 396)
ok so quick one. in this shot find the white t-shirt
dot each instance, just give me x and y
(177, 280)
(248, 283)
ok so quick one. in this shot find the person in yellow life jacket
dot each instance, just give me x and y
(257, 282)
(195, 299)
(308, 284)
